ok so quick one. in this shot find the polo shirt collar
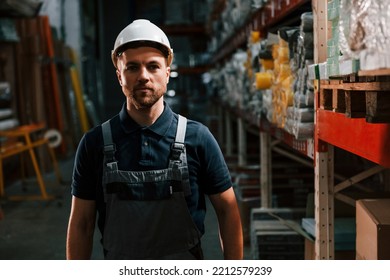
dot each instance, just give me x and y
(160, 127)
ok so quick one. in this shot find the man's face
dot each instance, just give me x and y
(143, 75)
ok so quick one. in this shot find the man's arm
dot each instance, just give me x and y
(80, 229)
(229, 220)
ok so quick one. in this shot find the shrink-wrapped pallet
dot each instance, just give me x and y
(300, 120)
(364, 32)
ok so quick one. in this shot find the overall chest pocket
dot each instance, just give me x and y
(141, 191)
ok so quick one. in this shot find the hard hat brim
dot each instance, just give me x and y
(166, 52)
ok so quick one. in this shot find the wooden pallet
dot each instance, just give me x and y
(357, 97)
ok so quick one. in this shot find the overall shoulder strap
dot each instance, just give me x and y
(106, 129)
(109, 147)
(181, 129)
(178, 159)
(178, 146)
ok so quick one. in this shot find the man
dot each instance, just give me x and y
(145, 171)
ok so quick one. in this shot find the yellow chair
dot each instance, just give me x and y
(20, 140)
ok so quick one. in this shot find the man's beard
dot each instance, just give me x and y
(143, 100)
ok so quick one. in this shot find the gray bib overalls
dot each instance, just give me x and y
(146, 212)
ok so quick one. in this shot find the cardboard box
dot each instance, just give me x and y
(373, 229)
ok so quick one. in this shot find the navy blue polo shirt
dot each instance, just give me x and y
(147, 148)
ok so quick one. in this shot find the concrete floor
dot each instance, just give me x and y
(36, 230)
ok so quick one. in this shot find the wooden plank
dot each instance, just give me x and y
(369, 86)
(31, 70)
(376, 72)
(338, 101)
(55, 90)
(370, 100)
(33, 74)
(331, 97)
(377, 107)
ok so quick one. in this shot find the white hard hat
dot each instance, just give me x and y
(142, 32)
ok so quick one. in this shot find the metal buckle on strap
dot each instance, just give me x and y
(109, 148)
(176, 150)
(112, 165)
(178, 146)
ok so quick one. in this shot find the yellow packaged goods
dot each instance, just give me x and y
(284, 71)
(283, 55)
(263, 80)
(287, 82)
(268, 64)
(275, 51)
(255, 36)
(287, 98)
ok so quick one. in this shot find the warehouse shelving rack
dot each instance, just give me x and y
(336, 129)
(332, 128)
(263, 19)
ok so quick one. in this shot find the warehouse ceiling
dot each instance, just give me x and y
(20, 8)
(185, 23)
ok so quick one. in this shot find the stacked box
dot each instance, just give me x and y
(274, 239)
(278, 245)
(333, 38)
(373, 229)
(340, 61)
(364, 34)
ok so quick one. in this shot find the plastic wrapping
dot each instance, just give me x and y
(303, 130)
(304, 115)
(300, 116)
(307, 22)
(267, 104)
(300, 122)
(299, 100)
(309, 97)
(363, 25)
(289, 125)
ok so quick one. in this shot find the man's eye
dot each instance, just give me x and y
(132, 68)
(153, 67)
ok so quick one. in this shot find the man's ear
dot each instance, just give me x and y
(118, 75)
(168, 73)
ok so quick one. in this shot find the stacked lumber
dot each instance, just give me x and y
(41, 81)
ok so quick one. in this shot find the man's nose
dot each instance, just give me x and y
(143, 74)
